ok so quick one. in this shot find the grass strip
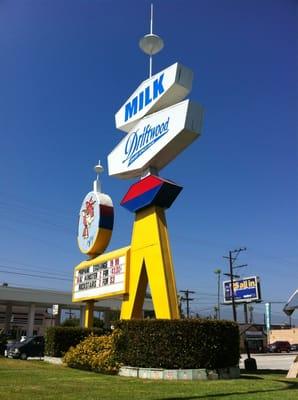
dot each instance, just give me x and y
(24, 380)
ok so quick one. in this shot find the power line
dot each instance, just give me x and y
(35, 270)
(36, 276)
(186, 239)
(37, 211)
(22, 287)
(204, 309)
(31, 236)
(33, 208)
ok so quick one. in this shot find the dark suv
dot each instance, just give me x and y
(31, 347)
(279, 346)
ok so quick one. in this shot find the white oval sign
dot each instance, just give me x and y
(156, 140)
(161, 90)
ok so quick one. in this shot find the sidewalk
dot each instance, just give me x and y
(281, 361)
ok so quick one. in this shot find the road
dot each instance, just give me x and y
(281, 361)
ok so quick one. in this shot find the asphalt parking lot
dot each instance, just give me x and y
(281, 361)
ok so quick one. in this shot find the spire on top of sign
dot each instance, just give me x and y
(96, 184)
(151, 44)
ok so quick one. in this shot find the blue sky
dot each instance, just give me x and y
(68, 66)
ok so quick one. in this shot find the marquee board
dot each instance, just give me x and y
(102, 277)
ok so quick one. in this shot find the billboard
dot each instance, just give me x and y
(245, 290)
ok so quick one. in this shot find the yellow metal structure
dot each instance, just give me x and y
(88, 322)
(150, 260)
(147, 260)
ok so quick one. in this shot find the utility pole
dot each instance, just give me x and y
(245, 313)
(218, 272)
(232, 276)
(187, 299)
(215, 308)
(251, 318)
(180, 305)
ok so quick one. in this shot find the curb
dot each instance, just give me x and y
(53, 360)
(180, 374)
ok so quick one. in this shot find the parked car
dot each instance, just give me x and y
(11, 343)
(31, 347)
(294, 347)
(8, 346)
(279, 346)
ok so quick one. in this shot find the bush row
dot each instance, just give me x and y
(59, 339)
(194, 343)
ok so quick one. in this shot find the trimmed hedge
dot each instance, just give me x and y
(59, 339)
(186, 343)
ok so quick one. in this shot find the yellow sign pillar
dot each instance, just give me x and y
(88, 322)
(151, 260)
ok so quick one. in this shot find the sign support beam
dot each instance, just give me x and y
(151, 261)
(88, 323)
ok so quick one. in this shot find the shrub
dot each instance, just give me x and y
(98, 323)
(192, 343)
(59, 339)
(71, 322)
(95, 354)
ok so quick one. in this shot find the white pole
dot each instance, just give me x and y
(96, 184)
(151, 31)
(151, 20)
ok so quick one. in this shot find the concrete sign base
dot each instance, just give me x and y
(293, 371)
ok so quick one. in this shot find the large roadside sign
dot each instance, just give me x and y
(245, 290)
(158, 122)
(156, 140)
(164, 89)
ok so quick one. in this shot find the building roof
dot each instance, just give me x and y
(46, 298)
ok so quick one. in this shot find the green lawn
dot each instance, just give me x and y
(26, 380)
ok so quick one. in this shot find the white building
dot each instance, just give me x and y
(28, 311)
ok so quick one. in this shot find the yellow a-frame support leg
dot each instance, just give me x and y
(150, 259)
